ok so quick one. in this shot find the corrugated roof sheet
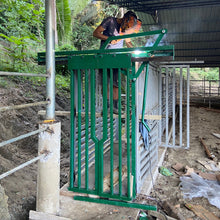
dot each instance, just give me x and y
(193, 26)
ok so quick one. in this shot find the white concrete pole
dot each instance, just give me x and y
(48, 178)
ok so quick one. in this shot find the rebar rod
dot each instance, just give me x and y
(2, 73)
(21, 137)
(21, 166)
(23, 106)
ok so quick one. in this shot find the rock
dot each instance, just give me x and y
(4, 214)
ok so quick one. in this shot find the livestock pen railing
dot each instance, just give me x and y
(206, 91)
(16, 107)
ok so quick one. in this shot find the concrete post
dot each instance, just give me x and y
(48, 178)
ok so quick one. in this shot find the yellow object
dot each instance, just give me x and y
(49, 121)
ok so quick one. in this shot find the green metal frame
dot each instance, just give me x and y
(106, 61)
(86, 63)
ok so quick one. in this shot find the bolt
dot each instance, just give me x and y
(134, 79)
(163, 31)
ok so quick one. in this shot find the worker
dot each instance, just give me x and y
(112, 26)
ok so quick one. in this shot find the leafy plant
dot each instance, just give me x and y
(63, 20)
(21, 27)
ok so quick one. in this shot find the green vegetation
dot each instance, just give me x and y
(207, 73)
(22, 33)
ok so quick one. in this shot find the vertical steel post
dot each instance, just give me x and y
(204, 89)
(188, 116)
(180, 106)
(160, 106)
(48, 179)
(210, 93)
(167, 106)
(174, 105)
(50, 58)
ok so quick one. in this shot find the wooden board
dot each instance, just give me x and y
(201, 212)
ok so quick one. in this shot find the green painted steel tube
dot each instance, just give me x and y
(100, 161)
(133, 134)
(128, 136)
(105, 113)
(93, 121)
(72, 117)
(163, 31)
(145, 97)
(119, 133)
(93, 101)
(111, 134)
(117, 203)
(140, 69)
(79, 126)
(67, 54)
(87, 130)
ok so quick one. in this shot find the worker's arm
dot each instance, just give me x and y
(98, 33)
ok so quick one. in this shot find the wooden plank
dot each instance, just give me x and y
(57, 113)
(33, 215)
(210, 156)
(201, 212)
(106, 181)
(151, 117)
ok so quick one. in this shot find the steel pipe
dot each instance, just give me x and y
(21, 74)
(50, 58)
(21, 166)
(21, 137)
(187, 108)
(23, 106)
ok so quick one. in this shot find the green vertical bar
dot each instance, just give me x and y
(79, 127)
(104, 130)
(87, 130)
(111, 134)
(93, 120)
(158, 40)
(119, 133)
(145, 97)
(133, 134)
(72, 118)
(105, 110)
(128, 136)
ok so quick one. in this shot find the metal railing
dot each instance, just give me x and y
(16, 107)
(206, 91)
(174, 90)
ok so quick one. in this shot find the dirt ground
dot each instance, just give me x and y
(20, 187)
(167, 188)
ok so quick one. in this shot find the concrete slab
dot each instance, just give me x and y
(80, 210)
(33, 215)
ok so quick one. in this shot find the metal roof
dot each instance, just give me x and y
(193, 26)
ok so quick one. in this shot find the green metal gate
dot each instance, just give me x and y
(93, 142)
(103, 144)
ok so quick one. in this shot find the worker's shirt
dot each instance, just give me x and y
(112, 28)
